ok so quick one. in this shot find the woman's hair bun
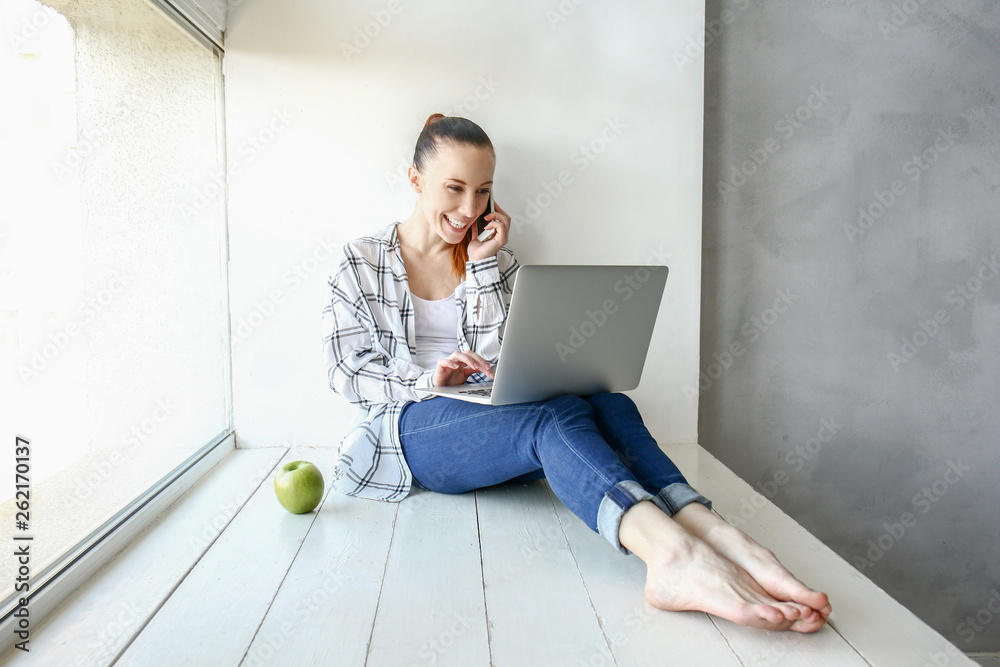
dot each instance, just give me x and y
(453, 129)
(433, 117)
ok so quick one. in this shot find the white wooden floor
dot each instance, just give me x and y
(504, 576)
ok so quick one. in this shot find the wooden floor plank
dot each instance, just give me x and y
(538, 609)
(824, 648)
(639, 633)
(369, 583)
(432, 609)
(325, 608)
(212, 616)
(100, 618)
(880, 629)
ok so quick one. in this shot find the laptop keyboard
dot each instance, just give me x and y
(478, 392)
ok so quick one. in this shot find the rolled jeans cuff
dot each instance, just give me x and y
(672, 498)
(624, 495)
(613, 506)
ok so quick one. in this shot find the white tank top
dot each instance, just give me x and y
(436, 325)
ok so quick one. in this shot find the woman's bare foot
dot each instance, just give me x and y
(734, 545)
(686, 574)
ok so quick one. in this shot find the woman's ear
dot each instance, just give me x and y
(414, 177)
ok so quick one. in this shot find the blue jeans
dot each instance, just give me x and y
(595, 452)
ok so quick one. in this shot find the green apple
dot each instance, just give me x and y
(299, 486)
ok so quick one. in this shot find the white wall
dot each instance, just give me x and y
(321, 121)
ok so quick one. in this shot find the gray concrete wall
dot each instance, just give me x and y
(851, 279)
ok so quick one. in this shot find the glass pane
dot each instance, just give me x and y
(113, 304)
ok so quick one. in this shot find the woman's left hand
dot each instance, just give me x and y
(458, 366)
(499, 221)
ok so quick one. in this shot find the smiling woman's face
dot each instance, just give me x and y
(455, 188)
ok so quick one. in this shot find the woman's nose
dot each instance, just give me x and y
(468, 206)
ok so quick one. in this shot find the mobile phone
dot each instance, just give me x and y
(482, 233)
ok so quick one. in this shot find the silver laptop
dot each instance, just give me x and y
(576, 330)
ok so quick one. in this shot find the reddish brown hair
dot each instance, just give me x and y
(439, 128)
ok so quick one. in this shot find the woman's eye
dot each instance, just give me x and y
(454, 188)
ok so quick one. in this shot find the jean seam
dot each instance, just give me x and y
(457, 420)
(576, 453)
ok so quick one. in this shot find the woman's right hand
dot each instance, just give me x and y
(499, 222)
(456, 368)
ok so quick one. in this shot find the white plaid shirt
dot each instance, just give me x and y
(369, 345)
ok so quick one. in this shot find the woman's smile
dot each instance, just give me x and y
(456, 224)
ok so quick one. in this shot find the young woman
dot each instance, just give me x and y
(423, 303)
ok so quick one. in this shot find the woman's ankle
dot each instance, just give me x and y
(650, 534)
(699, 520)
